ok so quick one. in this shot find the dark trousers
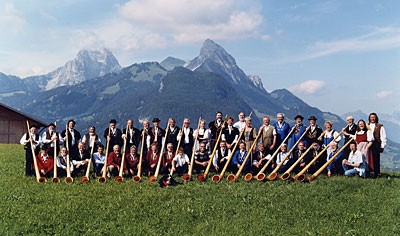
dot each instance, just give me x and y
(61, 172)
(199, 168)
(376, 158)
(246, 169)
(165, 170)
(181, 170)
(29, 171)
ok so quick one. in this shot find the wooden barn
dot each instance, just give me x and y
(13, 124)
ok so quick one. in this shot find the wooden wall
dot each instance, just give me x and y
(13, 125)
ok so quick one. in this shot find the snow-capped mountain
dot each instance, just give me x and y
(256, 80)
(86, 65)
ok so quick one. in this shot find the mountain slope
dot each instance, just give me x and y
(170, 63)
(86, 65)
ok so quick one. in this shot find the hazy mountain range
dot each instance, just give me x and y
(93, 88)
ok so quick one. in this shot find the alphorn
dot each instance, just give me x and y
(315, 175)
(69, 179)
(138, 176)
(37, 174)
(120, 177)
(233, 177)
(203, 176)
(179, 141)
(103, 177)
(260, 175)
(55, 179)
(154, 178)
(286, 175)
(273, 174)
(188, 176)
(217, 178)
(301, 176)
(86, 177)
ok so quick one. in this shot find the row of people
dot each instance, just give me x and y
(371, 137)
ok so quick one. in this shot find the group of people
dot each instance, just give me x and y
(279, 144)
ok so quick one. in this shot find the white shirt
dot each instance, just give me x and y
(270, 126)
(240, 125)
(333, 133)
(23, 140)
(357, 158)
(99, 159)
(181, 160)
(370, 135)
(92, 138)
(59, 164)
(382, 133)
(48, 141)
(215, 159)
(280, 157)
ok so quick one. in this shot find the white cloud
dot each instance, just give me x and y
(384, 94)
(308, 87)
(11, 19)
(379, 39)
(192, 21)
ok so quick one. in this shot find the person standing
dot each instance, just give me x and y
(74, 137)
(378, 144)
(268, 136)
(230, 134)
(298, 132)
(241, 123)
(187, 139)
(48, 139)
(156, 134)
(172, 133)
(133, 135)
(36, 141)
(365, 139)
(282, 129)
(215, 127)
(349, 130)
(91, 138)
(115, 137)
(313, 132)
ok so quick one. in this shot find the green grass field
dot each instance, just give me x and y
(335, 206)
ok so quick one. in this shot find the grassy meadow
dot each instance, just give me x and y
(326, 206)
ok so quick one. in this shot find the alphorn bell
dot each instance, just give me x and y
(233, 177)
(273, 174)
(68, 179)
(260, 175)
(315, 175)
(286, 175)
(86, 177)
(55, 179)
(217, 178)
(120, 177)
(37, 174)
(203, 176)
(154, 178)
(103, 177)
(188, 176)
(137, 177)
(301, 176)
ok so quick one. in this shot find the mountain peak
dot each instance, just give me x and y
(87, 64)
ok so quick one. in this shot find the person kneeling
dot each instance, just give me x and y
(180, 163)
(131, 162)
(201, 159)
(354, 165)
(45, 163)
(114, 162)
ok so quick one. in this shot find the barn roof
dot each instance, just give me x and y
(36, 120)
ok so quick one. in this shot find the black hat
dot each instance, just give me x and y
(51, 124)
(33, 126)
(312, 118)
(45, 147)
(156, 120)
(299, 117)
(113, 121)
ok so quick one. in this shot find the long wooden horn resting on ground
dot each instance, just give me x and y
(37, 174)
(188, 176)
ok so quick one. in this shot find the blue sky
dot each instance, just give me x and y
(339, 56)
